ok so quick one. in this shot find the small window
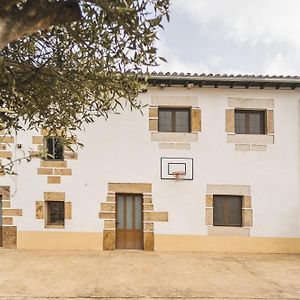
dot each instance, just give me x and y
(174, 120)
(54, 148)
(56, 213)
(227, 211)
(250, 122)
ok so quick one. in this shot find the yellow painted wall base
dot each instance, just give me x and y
(59, 240)
(93, 241)
(226, 244)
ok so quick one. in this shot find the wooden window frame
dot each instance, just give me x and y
(173, 111)
(47, 219)
(46, 149)
(241, 212)
(247, 125)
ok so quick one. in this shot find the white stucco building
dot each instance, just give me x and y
(234, 140)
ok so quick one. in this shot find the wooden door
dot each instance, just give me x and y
(129, 221)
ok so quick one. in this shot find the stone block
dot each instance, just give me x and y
(37, 140)
(259, 147)
(242, 147)
(68, 210)
(44, 171)
(70, 155)
(53, 164)
(12, 212)
(183, 146)
(229, 120)
(5, 192)
(7, 139)
(138, 188)
(7, 220)
(153, 112)
(107, 215)
(270, 122)
(54, 196)
(109, 239)
(105, 206)
(148, 226)
(209, 200)
(148, 241)
(153, 124)
(156, 216)
(39, 209)
(166, 145)
(9, 237)
(54, 179)
(196, 119)
(110, 224)
(209, 216)
(5, 154)
(247, 217)
(247, 203)
(63, 172)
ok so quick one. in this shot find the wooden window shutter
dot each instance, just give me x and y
(39, 209)
(270, 122)
(229, 120)
(68, 210)
(196, 119)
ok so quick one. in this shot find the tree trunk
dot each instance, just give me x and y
(34, 16)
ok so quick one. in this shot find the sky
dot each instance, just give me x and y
(260, 37)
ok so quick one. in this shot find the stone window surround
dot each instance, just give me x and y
(41, 207)
(174, 140)
(108, 213)
(247, 211)
(247, 142)
(9, 231)
(54, 169)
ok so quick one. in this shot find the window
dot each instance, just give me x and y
(174, 120)
(227, 211)
(56, 213)
(250, 122)
(54, 148)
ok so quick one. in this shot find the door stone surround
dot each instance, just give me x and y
(108, 213)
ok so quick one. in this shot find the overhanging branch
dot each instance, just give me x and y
(36, 15)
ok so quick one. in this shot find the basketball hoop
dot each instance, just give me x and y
(178, 175)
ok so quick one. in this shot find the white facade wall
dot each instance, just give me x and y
(121, 150)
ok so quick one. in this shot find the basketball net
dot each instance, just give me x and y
(178, 175)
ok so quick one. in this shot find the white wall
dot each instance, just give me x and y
(120, 150)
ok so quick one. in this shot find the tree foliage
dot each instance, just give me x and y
(65, 75)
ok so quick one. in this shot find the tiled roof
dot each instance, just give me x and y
(224, 80)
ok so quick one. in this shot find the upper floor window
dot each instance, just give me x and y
(54, 148)
(250, 122)
(227, 211)
(174, 119)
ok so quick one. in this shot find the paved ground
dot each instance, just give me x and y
(146, 275)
